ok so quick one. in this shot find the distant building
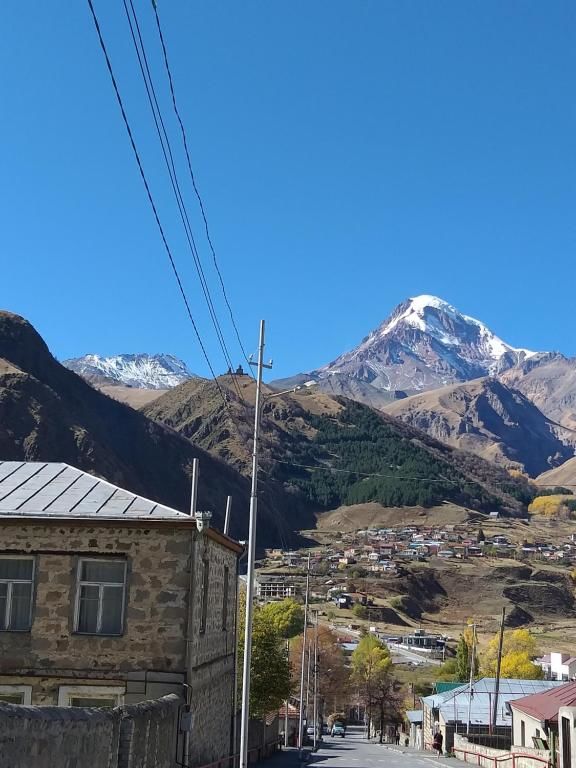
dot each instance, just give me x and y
(448, 711)
(271, 587)
(558, 666)
(535, 718)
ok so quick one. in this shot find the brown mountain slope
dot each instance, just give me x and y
(49, 413)
(491, 420)
(549, 381)
(331, 451)
(564, 475)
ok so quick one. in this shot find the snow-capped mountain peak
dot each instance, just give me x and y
(143, 371)
(430, 314)
(425, 343)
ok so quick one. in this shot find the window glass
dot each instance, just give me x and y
(20, 605)
(16, 593)
(85, 701)
(101, 571)
(112, 599)
(12, 568)
(88, 608)
(12, 698)
(100, 607)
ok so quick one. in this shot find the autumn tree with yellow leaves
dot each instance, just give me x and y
(518, 650)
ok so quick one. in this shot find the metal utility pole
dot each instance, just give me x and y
(287, 701)
(228, 513)
(251, 555)
(308, 667)
(498, 665)
(470, 687)
(303, 662)
(316, 684)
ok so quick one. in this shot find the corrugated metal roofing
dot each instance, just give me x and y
(55, 489)
(545, 706)
(415, 715)
(455, 706)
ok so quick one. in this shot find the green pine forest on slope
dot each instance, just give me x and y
(330, 434)
(411, 471)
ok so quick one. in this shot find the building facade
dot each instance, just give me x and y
(107, 598)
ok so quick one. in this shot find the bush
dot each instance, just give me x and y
(360, 611)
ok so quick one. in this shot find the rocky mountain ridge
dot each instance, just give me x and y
(142, 371)
(424, 344)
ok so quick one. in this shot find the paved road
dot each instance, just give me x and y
(354, 751)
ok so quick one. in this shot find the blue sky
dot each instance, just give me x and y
(350, 154)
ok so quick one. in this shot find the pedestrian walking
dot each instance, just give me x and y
(437, 742)
(397, 737)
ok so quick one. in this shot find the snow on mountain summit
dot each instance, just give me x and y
(429, 314)
(142, 371)
(423, 344)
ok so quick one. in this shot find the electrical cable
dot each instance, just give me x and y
(408, 477)
(170, 165)
(194, 185)
(151, 199)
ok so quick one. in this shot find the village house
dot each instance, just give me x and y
(558, 666)
(535, 718)
(108, 598)
(448, 711)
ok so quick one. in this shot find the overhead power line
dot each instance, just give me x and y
(320, 468)
(193, 180)
(151, 199)
(162, 133)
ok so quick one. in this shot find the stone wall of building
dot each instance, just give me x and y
(140, 736)
(157, 599)
(212, 654)
(165, 646)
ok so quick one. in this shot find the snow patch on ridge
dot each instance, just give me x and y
(142, 371)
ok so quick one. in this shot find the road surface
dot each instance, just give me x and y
(354, 751)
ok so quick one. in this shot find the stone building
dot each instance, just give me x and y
(107, 598)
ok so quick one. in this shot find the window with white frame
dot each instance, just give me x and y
(16, 694)
(16, 580)
(107, 696)
(100, 597)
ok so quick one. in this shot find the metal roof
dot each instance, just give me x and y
(545, 705)
(455, 706)
(55, 489)
(415, 715)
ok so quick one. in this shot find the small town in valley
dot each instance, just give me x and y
(287, 384)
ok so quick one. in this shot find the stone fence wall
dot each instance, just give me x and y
(142, 735)
(488, 757)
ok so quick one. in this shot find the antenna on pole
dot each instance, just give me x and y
(194, 496)
(228, 513)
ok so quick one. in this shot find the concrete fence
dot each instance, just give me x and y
(142, 735)
(488, 757)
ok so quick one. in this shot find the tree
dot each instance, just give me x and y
(287, 616)
(360, 611)
(372, 672)
(270, 682)
(462, 660)
(333, 675)
(518, 649)
(481, 536)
